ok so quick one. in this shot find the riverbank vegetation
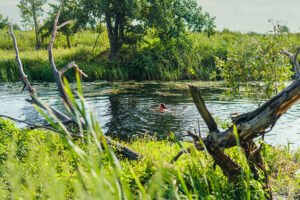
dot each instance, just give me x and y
(225, 55)
(42, 164)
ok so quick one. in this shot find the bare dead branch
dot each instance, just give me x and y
(63, 24)
(72, 65)
(126, 151)
(294, 60)
(58, 74)
(209, 120)
(188, 150)
(197, 145)
(249, 125)
(36, 126)
(288, 54)
(24, 77)
(27, 85)
(57, 113)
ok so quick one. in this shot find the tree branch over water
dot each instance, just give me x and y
(127, 152)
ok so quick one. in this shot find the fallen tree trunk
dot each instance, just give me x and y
(248, 126)
(253, 124)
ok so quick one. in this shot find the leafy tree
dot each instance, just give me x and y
(258, 59)
(172, 18)
(31, 10)
(3, 22)
(128, 20)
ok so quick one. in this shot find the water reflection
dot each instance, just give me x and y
(127, 109)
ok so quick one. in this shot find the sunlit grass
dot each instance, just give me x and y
(38, 164)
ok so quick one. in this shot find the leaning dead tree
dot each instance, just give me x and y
(248, 126)
(58, 74)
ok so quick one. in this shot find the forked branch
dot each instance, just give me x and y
(58, 74)
(27, 85)
(127, 152)
(294, 60)
(70, 66)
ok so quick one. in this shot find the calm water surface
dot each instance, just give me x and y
(127, 109)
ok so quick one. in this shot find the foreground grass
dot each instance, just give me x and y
(39, 165)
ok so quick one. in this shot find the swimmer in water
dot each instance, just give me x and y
(162, 107)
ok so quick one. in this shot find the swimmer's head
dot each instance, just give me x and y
(163, 106)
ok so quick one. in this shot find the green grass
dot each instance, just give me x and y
(186, 59)
(40, 165)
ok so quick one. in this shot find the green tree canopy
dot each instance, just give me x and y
(128, 19)
(3, 22)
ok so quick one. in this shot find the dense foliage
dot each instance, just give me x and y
(259, 59)
(42, 165)
(128, 20)
(233, 57)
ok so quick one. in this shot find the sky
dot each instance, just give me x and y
(236, 15)
(253, 15)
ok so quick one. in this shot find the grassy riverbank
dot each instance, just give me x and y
(191, 59)
(38, 164)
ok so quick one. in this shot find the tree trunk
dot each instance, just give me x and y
(36, 28)
(68, 41)
(114, 35)
(114, 50)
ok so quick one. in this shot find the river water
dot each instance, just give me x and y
(128, 109)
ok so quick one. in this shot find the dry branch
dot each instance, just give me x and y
(199, 102)
(58, 74)
(127, 152)
(24, 77)
(257, 122)
(294, 61)
(36, 126)
(249, 125)
(27, 85)
(70, 66)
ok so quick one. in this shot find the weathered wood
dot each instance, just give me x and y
(24, 77)
(27, 85)
(36, 126)
(57, 74)
(230, 168)
(257, 122)
(70, 66)
(255, 161)
(249, 125)
(126, 151)
(294, 61)
(199, 102)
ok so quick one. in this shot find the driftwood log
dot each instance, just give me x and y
(248, 125)
(121, 149)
